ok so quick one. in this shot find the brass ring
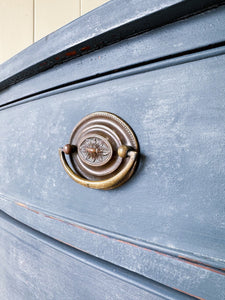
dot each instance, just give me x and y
(110, 183)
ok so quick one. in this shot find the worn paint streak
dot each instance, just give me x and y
(191, 260)
(104, 235)
(85, 48)
(189, 294)
(35, 211)
(197, 262)
(130, 244)
(78, 226)
(71, 246)
(51, 217)
(161, 253)
(71, 53)
(179, 258)
(201, 266)
(21, 204)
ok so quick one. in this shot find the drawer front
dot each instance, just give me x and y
(170, 212)
(47, 269)
(161, 234)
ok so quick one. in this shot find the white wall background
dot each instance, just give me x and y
(23, 22)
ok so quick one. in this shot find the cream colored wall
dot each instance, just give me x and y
(87, 5)
(23, 22)
(16, 26)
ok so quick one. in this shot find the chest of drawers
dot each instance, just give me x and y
(158, 65)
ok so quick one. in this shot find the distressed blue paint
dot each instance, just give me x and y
(197, 32)
(163, 230)
(48, 269)
(80, 37)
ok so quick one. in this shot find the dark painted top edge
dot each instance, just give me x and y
(95, 30)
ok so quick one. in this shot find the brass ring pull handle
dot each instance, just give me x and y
(103, 152)
(106, 184)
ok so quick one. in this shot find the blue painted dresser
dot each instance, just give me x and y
(160, 66)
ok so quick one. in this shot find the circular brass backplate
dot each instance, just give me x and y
(97, 138)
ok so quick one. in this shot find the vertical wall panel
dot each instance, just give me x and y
(23, 22)
(53, 14)
(16, 27)
(87, 5)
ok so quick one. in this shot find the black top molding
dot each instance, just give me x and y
(108, 24)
